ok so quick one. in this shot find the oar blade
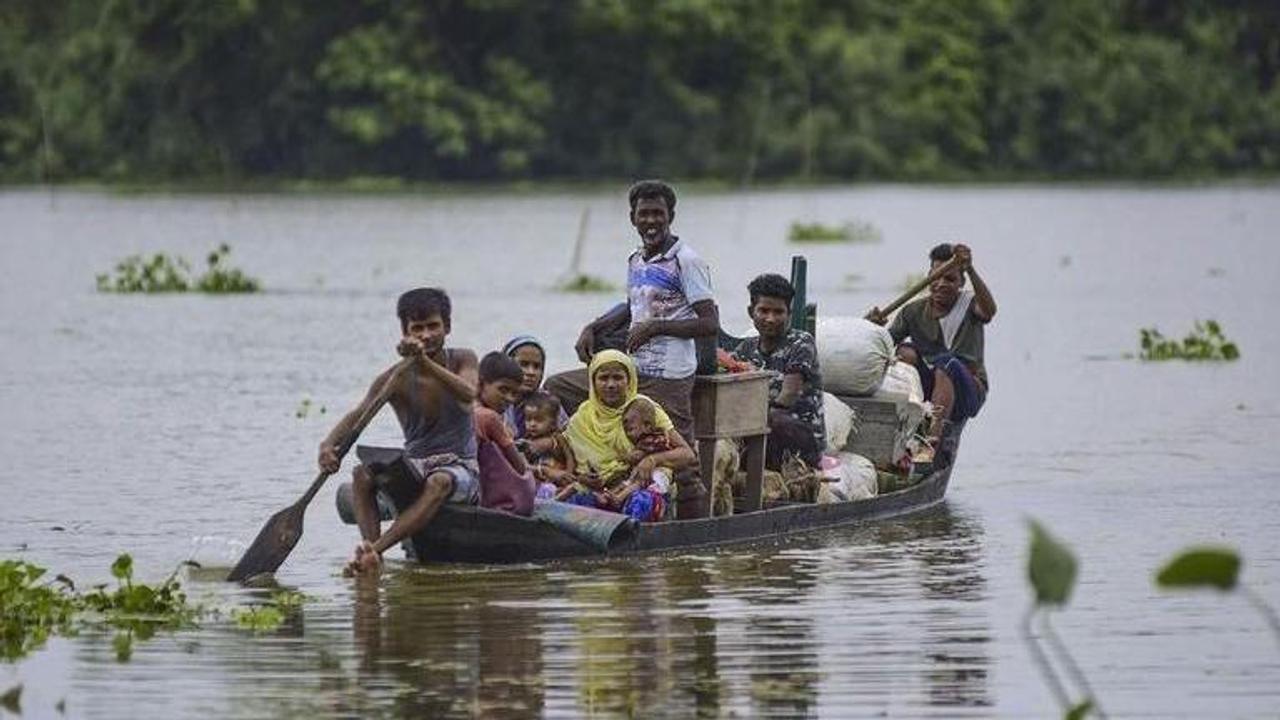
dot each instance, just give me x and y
(274, 543)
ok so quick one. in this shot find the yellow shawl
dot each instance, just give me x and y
(595, 431)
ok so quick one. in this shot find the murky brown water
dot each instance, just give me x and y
(166, 425)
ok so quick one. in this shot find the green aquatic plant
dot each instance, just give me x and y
(161, 273)
(1052, 570)
(11, 700)
(304, 408)
(851, 232)
(219, 279)
(1216, 568)
(1205, 342)
(139, 606)
(157, 274)
(583, 283)
(33, 610)
(260, 618)
(269, 616)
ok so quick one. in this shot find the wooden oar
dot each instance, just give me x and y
(912, 291)
(278, 536)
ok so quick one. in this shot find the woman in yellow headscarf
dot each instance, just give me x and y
(600, 445)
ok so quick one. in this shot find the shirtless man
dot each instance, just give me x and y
(433, 402)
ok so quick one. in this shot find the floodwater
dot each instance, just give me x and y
(167, 426)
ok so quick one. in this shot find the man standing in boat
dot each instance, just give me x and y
(946, 341)
(669, 304)
(433, 402)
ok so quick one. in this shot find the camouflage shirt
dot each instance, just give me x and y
(796, 354)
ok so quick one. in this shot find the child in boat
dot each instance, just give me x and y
(433, 402)
(646, 492)
(500, 379)
(545, 449)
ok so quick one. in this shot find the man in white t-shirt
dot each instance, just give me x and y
(669, 304)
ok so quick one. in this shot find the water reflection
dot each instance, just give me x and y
(854, 622)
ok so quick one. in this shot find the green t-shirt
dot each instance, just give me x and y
(913, 321)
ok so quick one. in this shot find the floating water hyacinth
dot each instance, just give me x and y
(583, 283)
(1205, 342)
(855, 231)
(160, 273)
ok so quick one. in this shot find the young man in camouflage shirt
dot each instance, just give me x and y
(796, 423)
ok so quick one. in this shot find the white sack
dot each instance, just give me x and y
(855, 478)
(903, 379)
(839, 422)
(853, 354)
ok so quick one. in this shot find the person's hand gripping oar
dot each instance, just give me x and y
(278, 536)
(880, 315)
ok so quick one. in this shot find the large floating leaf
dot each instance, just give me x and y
(1052, 567)
(1079, 712)
(1201, 567)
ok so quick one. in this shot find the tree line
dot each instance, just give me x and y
(737, 90)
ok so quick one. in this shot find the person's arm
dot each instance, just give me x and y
(984, 305)
(707, 323)
(802, 357)
(329, 461)
(618, 317)
(792, 386)
(462, 384)
(489, 426)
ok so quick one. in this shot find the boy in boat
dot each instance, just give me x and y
(796, 422)
(500, 379)
(946, 341)
(433, 404)
(552, 458)
(669, 304)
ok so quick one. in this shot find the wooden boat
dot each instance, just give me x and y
(461, 534)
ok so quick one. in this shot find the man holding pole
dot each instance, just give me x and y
(945, 329)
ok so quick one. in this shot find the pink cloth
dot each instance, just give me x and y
(501, 487)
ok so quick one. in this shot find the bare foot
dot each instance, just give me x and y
(365, 561)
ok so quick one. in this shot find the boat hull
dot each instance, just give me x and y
(463, 534)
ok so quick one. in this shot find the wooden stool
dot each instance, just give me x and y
(733, 405)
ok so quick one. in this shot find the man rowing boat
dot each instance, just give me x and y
(433, 403)
(946, 340)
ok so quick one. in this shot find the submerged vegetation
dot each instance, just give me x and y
(1204, 342)
(163, 274)
(850, 232)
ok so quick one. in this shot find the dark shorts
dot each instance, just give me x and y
(970, 394)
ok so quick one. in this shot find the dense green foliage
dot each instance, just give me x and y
(1204, 342)
(163, 274)
(495, 89)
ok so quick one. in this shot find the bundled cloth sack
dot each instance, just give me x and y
(903, 379)
(838, 419)
(854, 478)
(854, 354)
